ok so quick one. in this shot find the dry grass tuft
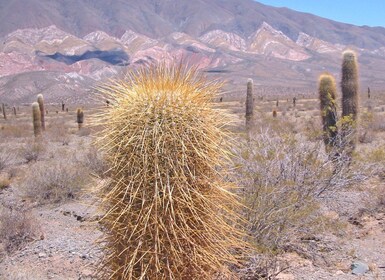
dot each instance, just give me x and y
(54, 181)
(169, 213)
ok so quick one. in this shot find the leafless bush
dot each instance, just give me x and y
(6, 158)
(54, 180)
(262, 267)
(32, 151)
(58, 132)
(378, 123)
(283, 178)
(95, 162)
(17, 228)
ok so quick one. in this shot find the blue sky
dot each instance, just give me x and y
(358, 12)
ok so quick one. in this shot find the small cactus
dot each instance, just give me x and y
(327, 96)
(4, 112)
(40, 100)
(79, 117)
(249, 104)
(36, 119)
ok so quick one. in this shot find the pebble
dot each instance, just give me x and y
(359, 268)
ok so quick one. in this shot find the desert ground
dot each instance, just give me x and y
(307, 223)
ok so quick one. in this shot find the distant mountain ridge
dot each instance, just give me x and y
(87, 41)
(159, 18)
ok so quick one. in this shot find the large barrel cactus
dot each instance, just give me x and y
(169, 214)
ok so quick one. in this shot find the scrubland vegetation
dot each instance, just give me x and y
(296, 180)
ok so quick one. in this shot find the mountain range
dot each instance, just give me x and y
(61, 48)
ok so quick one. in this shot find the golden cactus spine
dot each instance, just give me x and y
(40, 101)
(249, 104)
(79, 117)
(327, 93)
(36, 119)
(169, 214)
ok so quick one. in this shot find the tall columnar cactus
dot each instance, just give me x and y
(349, 88)
(62, 106)
(249, 104)
(169, 214)
(36, 119)
(4, 112)
(79, 117)
(349, 85)
(40, 100)
(327, 95)
(14, 110)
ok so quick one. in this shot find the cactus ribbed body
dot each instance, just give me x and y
(40, 100)
(36, 119)
(249, 104)
(350, 100)
(327, 95)
(4, 112)
(80, 117)
(349, 85)
(168, 209)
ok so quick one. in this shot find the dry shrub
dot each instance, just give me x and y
(378, 123)
(283, 179)
(366, 131)
(263, 267)
(32, 151)
(7, 158)
(17, 228)
(58, 132)
(280, 177)
(15, 129)
(373, 158)
(54, 181)
(95, 162)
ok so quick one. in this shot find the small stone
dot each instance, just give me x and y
(359, 268)
(42, 255)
